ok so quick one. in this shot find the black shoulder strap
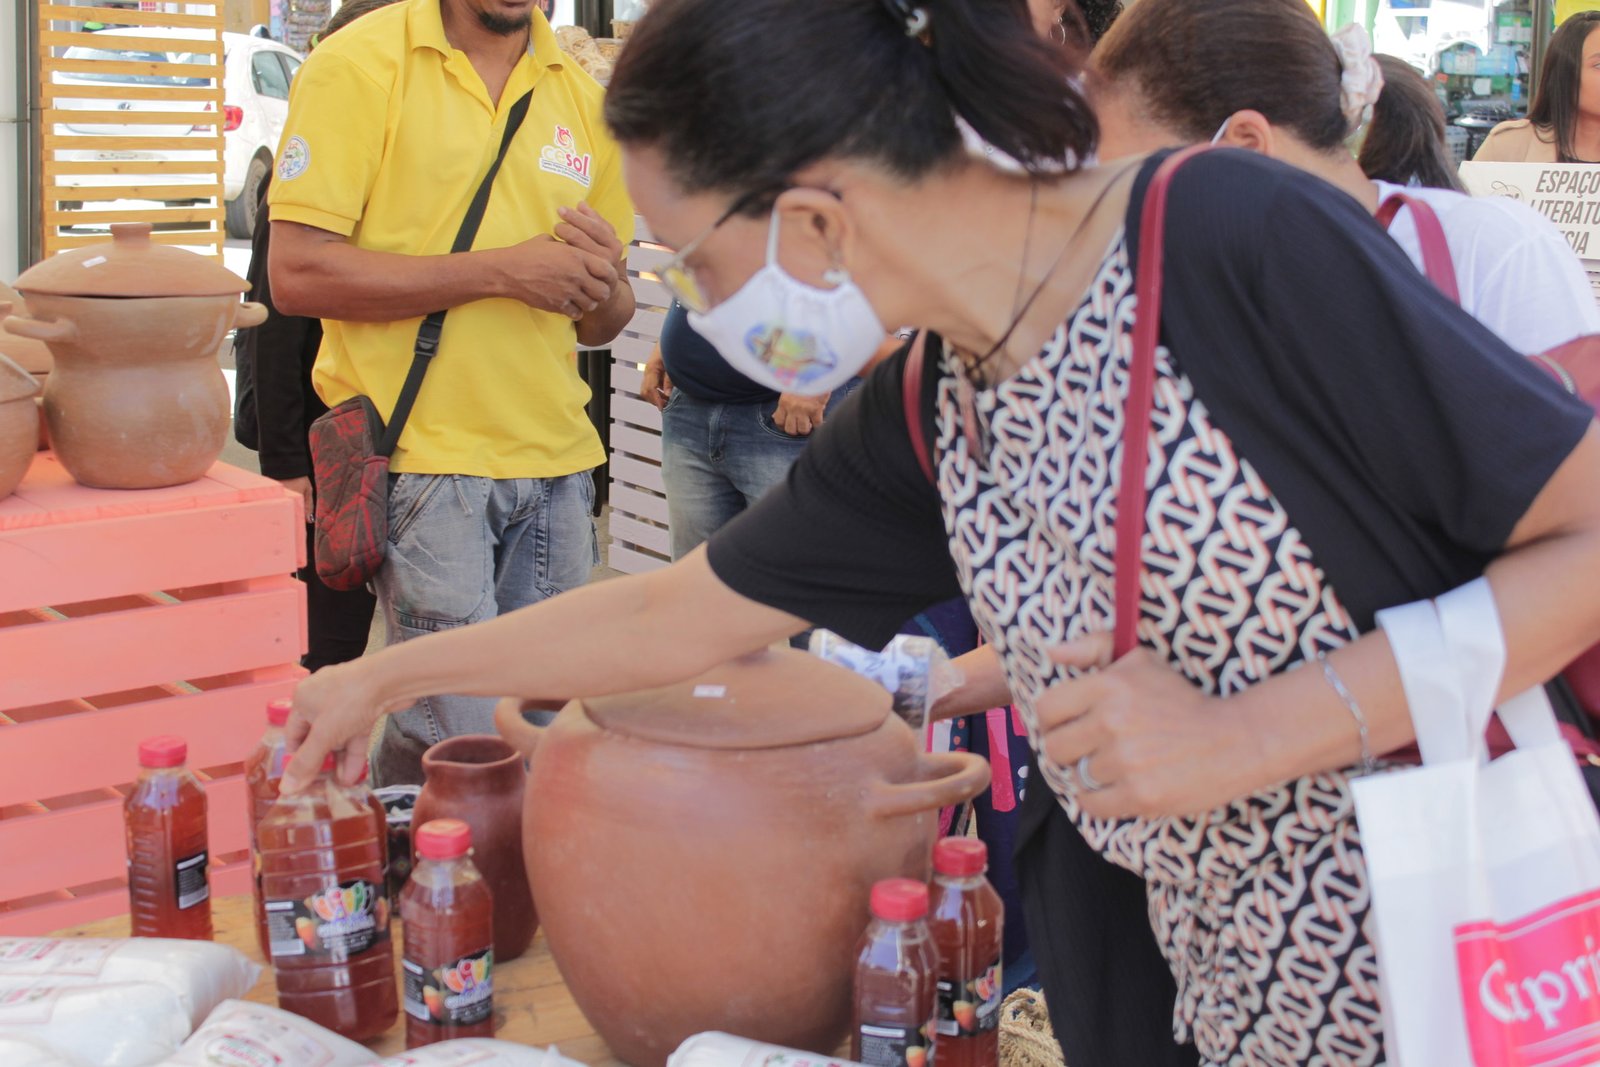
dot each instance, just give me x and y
(428, 333)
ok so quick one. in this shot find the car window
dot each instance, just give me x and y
(290, 63)
(268, 75)
(122, 55)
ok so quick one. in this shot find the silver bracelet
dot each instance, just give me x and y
(1368, 764)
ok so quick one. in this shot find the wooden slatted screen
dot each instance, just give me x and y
(640, 540)
(132, 139)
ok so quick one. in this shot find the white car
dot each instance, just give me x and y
(256, 76)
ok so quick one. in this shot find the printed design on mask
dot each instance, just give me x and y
(562, 158)
(796, 357)
(294, 158)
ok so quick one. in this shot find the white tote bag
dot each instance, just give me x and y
(1485, 876)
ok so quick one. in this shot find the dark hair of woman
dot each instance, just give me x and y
(1092, 18)
(739, 96)
(1555, 102)
(1194, 64)
(1405, 140)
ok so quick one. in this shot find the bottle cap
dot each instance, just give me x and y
(960, 857)
(329, 762)
(278, 711)
(899, 900)
(443, 839)
(165, 751)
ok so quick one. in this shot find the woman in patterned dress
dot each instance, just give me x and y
(1329, 437)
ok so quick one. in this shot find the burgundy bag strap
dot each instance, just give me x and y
(1436, 261)
(1131, 492)
(911, 397)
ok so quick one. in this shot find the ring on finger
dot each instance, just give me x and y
(1087, 781)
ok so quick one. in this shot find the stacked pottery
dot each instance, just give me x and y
(19, 424)
(703, 854)
(136, 399)
(32, 356)
(479, 779)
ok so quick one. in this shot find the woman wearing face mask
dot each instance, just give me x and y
(1262, 75)
(1296, 482)
(1563, 126)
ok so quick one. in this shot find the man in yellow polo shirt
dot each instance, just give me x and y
(392, 125)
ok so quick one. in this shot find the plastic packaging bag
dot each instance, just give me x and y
(126, 1025)
(20, 1052)
(724, 1050)
(202, 974)
(239, 1032)
(915, 670)
(478, 1052)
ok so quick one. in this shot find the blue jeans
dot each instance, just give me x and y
(717, 460)
(463, 550)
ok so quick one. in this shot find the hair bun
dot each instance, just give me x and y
(1361, 79)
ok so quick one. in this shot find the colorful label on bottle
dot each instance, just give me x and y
(457, 994)
(190, 882)
(970, 1008)
(893, 1046)
(338, 923)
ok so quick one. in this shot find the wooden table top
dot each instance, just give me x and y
(531, 1003)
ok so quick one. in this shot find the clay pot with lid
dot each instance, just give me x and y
(480, 779)
(136, 399)
(19, 424)
(703, 854)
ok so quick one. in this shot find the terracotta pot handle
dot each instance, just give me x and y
(59, 330)
(249, 314)
(956, 777)
(518, 732)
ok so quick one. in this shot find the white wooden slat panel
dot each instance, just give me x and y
(651, 293)
(626, 378)
(630, 560)
(638, 502)
(641, 231)
(631, 411)
(635, 442)
(648, 259)
(630, 470)
(637, 532)
(646, 322)
(628, 350)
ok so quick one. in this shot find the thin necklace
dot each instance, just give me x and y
(974, 370)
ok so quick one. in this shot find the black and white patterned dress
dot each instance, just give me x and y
(1260, 906)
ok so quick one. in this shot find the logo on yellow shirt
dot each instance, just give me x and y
(561, 157)
(294, 159)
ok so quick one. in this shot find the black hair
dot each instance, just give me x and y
(1405, 139)
(737, 95)
(1555, 102)
(348, 12)
(1090, 18)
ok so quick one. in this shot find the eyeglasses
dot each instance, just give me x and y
(679, 277)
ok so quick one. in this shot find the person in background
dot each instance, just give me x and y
(1405, 142)
(1264, 76)
(392, 126)
(1563, 125)
(725, 439)
(274, 410)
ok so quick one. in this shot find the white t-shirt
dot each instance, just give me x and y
(1517, 274)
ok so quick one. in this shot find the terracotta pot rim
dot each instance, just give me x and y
(453, 752)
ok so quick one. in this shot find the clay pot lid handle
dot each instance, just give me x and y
(131, 232)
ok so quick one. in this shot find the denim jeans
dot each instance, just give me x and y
(717, 459)
(463, 550)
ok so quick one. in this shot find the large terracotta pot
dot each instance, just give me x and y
(702, 854)
(136, 399)
(19, 424)
(480, 779)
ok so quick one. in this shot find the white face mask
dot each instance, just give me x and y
(792, 337)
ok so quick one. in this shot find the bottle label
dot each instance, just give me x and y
(893, 1046)
(338, 923)
(970, 1008)
(189, 880)
(457, 994)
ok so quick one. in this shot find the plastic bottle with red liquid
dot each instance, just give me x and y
(169, 892)
(323, 853)
(262, 772)
(896, 980)
(448, 962)
(966, 916)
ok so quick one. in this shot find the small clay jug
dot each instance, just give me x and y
(136, 399)
(703, 853)
(19, 424)
(479, 779)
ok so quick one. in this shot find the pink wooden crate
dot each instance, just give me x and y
(124, 615)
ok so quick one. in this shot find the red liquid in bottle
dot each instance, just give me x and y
(448, 962)
(322, 867)
(966, 915)
(896, 991)
(262, 772)
(169, 893)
